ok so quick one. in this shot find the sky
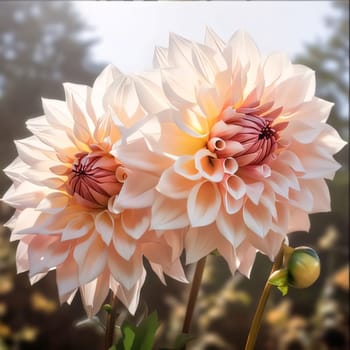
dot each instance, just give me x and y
(129, 31)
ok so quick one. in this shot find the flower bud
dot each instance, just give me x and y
(303, 267)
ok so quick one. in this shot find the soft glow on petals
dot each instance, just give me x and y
(79, 208)
(249, 145)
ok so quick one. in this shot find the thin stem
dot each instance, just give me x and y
(193, 295)
(110, 322)
(255, 326)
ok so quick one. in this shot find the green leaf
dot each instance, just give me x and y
(141, 337)
(180, 341)
(128, 337)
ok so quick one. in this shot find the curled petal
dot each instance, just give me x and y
(174, 185)
(210, 167)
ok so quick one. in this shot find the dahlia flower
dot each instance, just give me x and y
(249, 145)
(79, 210)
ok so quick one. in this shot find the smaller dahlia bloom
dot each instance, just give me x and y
(249, 143)
(79, 209)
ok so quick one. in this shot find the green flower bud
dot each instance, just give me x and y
(303, 267)
(107, 308)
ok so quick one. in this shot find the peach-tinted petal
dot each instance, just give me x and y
(94, 293)
(298, 220)
(78, 227)
(257, 218)
(233, 230)
(124, 244)
(104, 224)
(128, 272)
(186, 167)
(174, 185)
(203, 204)
(136, 193)
(67, 278)
(130, 298)
(168, 214)
(269, 245)
(199, 242)
(246, 256)
(210, 167)
(91, 258)
(136, 222)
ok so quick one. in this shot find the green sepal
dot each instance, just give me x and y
(279, 279)
(215, 253)
(138, 337)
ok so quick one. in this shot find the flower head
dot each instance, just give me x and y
(249, 142)
(79, 210)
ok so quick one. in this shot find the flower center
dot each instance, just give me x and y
(266, 132)
(250, 139)
(93, 179)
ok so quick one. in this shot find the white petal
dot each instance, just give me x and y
(101, 84)
(160, 57)
(213, 40)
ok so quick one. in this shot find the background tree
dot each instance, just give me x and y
(330, 59)
(41, 46)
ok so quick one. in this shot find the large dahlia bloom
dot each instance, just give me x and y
(249, 142)
(79, 210)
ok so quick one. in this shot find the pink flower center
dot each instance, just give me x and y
(93, 179)
(250, 139)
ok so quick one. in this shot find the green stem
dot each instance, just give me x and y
(110, 322)
(256, 323)
(193, 295)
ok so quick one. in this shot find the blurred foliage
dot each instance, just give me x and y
(330, 59)
(41, 46)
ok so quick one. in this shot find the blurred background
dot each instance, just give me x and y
(43, 44)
